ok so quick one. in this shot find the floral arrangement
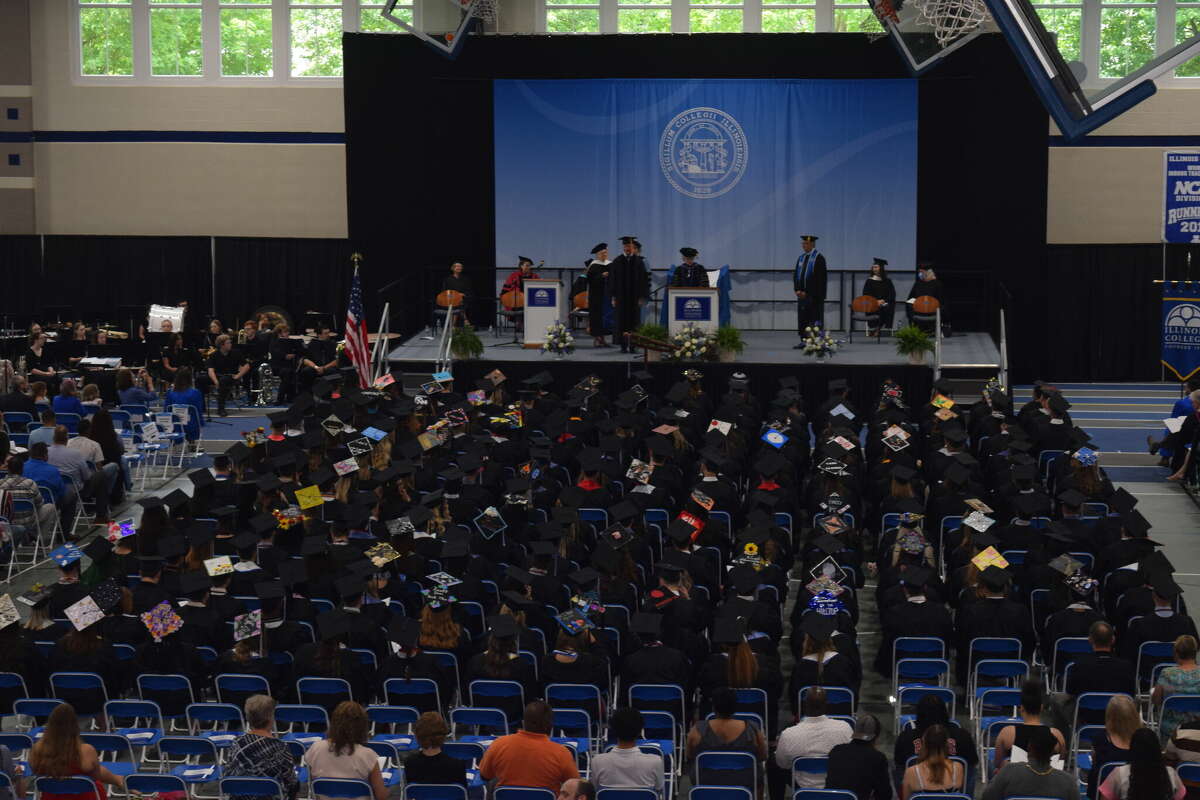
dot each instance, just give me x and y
(288, 517)
(558, 339)
(254, 437)
(817, 342)
(693, 343)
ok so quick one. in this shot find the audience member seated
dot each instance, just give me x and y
(528, 757)
(91, 483)
(45, 474)
(89, 398)
(858, 766)
(67, 401)
(257, 753)
(626, 766)
(429, 764)
(1035, 777)
(1146, 774)
(1183, 678)
(61, 753)
(182, 393)
(39, 394)
(1032, 699)
(1121, 721)
(43, 515)
(18, 398)
(45, 433)
(934, 771)
(814, 736)
(932, 711)
(343, 753)
(131, 392)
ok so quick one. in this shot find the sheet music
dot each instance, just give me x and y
(714, 275)
(96, 361)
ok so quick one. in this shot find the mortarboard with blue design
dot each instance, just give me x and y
(66, 555)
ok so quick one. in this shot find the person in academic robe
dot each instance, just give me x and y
(455, 282)
(599, 309)
(689, 274)
(880, 286)
(992, 615)
(629, 288)
(809, 282)
(516, 279)
(916, 616)
(927, 284)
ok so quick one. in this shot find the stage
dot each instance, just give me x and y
(767, 357)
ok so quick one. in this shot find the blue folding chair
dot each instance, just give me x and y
(1180, 704)
(391, 772)
(435, 791)
(816, 765)
(1150, 655)
(237, 688)
(1066, 650)
(385, 721)
(301, 723)
(80, 689)
(580, 696)
(911, 695)
(838, 699)
(508, 696)
(997, 672)
(419, 693)
(69, 421)
(111, 747)
(220, 723)
(722, 768)
(266, 788)
(480, 718)
(324, 692)
(147, 784)
(192, 759)
(626, 794)
(719, 793)
(521, 793)
(12, 688)
(74, 786)
(920, 672)
(172, 693)
(1189, 771)
(467, 752)
(140, 721)
(824, 794)
(341, 788)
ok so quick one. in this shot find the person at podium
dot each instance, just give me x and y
(516, 279)
(455, 282)
(880, 286)
(808, 281)
(689, 274)
(927, 285)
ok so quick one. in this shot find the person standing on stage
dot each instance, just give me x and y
(880, 286)
(689, 274)
(808, 281)
(516, 279)
(629, 283)
(599, 309)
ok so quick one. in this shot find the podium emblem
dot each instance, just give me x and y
(703, 152)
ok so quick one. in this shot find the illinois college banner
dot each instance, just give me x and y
(1181, 328)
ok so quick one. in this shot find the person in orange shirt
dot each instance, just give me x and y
(528, 757)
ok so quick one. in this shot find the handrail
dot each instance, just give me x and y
(937, 344)
(1003, 351)
(444, 356)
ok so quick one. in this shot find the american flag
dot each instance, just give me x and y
(356, 334)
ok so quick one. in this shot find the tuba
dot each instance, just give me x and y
(268, 384)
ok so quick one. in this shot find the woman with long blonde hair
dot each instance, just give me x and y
(61, 753)
(934, 772)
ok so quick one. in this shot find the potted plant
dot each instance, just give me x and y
(465, 343)
(913, 342)
(658, 333)
(729, 343)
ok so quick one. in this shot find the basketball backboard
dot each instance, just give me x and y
(443, 26)
(925, 31)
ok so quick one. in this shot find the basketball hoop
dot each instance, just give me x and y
(484, 10)
(952, 19)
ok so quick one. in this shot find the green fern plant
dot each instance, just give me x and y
(912, 341)
(730, 338)
(465, 343)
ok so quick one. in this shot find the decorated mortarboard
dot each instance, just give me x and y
(83, 613)
(989, 557)
(8, 611)
(220, 565)
(978, 505)
(489, 523)
(1081, 584)
(911, 541)
(994, 578)
(161, 621)
(36, 595)
(645, 624)
(774, 438)
(977, 521)
(98, 549)
(833, 467)
(573, 622)
(1072, 498)
(827, 569)
(66, 555)
(818, 627)
(1065, 565)
(107, 595)
(381, 554)
(833, 524)
(617, 536)
(911, 520)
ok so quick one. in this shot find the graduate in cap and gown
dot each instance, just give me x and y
(629, 287)
(880, 286)
(809, 282)
(599, 307)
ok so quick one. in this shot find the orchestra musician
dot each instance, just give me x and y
(283, 354)
(226, 367)
(175, 355)
(321, 356)
(214, 332)
(38, 365)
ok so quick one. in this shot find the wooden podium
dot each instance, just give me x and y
(697, 306)
(543, 306)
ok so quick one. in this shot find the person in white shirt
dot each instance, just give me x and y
(812, 737)
(86, 446)
(627, 767)
(92, 483)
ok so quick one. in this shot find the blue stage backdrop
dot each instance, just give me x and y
(736, 168)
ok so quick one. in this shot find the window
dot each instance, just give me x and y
(247, 44)
(316, 37)
(176, 38)
(105, 38)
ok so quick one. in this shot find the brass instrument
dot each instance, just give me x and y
(241, 337)
(113, 333)
(268, 384)
(205, 352)
(274, 315)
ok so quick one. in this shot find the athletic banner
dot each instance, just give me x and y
(1181, 328)
(1181, 213)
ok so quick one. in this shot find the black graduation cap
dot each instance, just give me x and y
(1122, 500)
(916, 576)
(455, 548)
(542, 548)
(1164, 585)
(688, 252)
(433, 498)
(584, 578)
(1020, 444)
(1135, 524)
(172, 546)
(829, 544)
(293, 570)
(469, 462)
(1072, 498)
(332, 624)
(268, 483)
(201, 478)
(1024, 472)
(983, 539)
(313, 439)
(502, 626)
(770, 463)
(677, 393)
(269, 590)
(245, 540)
(954, 433)
(97, 549)
(262, 524)
(151, 503)
(743, 578)
(238, 452)
(680, 531)
(312, 545)
(191, 583)
(660, 445)
(542, 378)
(729, 630)
(519, 575)
(549, 531)
(644, 624)
(994, 578)
(714, 457)
(1057, 402)
(1027, 504)
(1059, 533)
(350, 586)
(517, 601)
(177, 499)
(668, 568)
(903, 473)
(957, 474)
(818, 626)
(405, 632)
(418, 515)
(200, 533)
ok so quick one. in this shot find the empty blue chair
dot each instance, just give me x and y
(626, 794)
(147, 784)
(1151, 654)
(508, 696)
(220, 723)
(1066, 650)
(721, 768)
(390, 771)
(236, 688)
(580, 696)
(521, 793)
(467, 752)
(172, 693)
(419, 693)
(324, 692)
(386, 720)
(12, 687)
(83, 690)
(823, 794)
(719, 793)
(492, 719)
(267, 788)
(115, 751)
(301, 723)
(434, 791)
(341, 788)
(76, 785)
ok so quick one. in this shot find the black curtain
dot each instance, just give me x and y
(117, 278)
(21, 266)
(300, 275)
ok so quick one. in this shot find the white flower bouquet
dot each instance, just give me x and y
(691, 343)
(558, 340)
(818, 343)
